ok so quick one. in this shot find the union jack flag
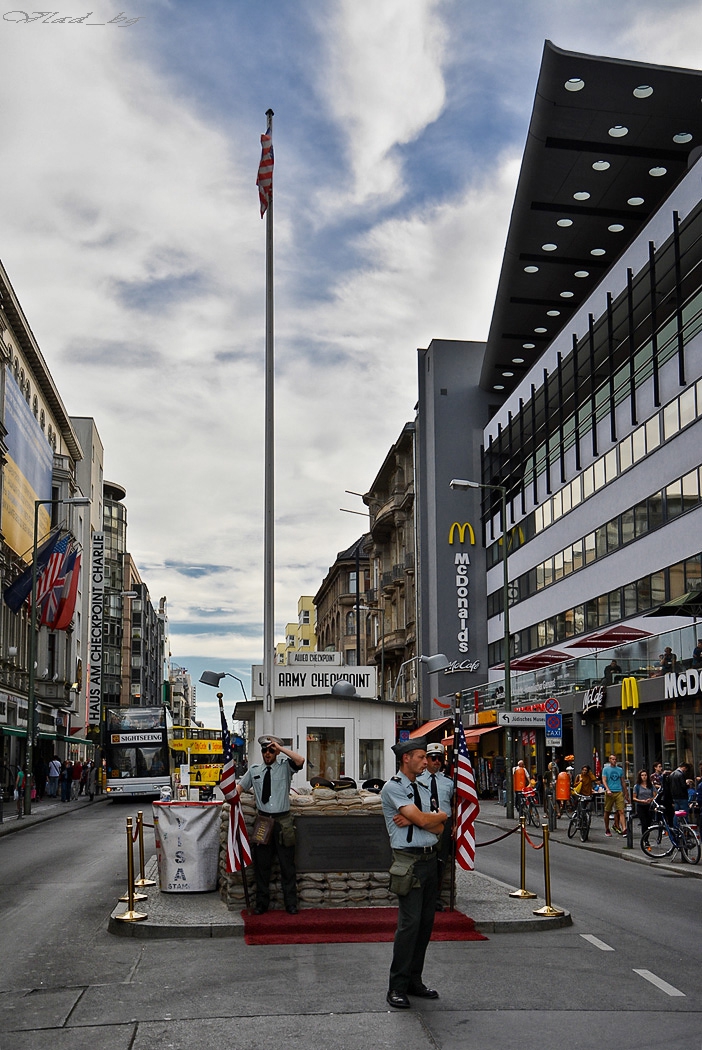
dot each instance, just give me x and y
(467, 807)
(51, 582)
(264, 179)
(238, 848)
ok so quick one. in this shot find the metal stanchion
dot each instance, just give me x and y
(131, 915)
(142, 880)
(523, 893)
(547, 909)
(629, 814)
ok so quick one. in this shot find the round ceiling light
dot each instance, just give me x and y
(582, 273)
(597, 251)
(657, 172)
(528, 346)
(541, 331)
(601, 165)
(549, 247)
(531, 269)
(553, 313)
(498, 386)
(508, 375)
(643, 91)
(517, 360)
(581, 195)
(635, 201)
(567, 295)
(618, 131)
(564, 222)
(574, 84)
(616, 227)
(682, 136)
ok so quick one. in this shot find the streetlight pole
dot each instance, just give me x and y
(32, 647)
(459, 484)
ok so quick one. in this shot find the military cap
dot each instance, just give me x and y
(435, 749)
(265, 740)
(418, 743)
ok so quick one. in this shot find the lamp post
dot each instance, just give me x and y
(458, 483)
(77, 501)
(213, 678)
(435, 664)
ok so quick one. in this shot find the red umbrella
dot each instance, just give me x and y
(536, 660)
(612, 636)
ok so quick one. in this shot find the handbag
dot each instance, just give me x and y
(262, 830)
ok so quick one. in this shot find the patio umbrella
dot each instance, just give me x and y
(612, 636)
(535, 661)
(689, 604)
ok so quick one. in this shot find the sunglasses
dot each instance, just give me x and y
(264, 749)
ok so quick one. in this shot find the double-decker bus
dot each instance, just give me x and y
(201, 751)
(137, 760)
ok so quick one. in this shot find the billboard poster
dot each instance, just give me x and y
(26, 475)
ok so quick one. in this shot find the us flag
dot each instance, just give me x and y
(50, 583)
(264, 179)
(238, 848)
(467, 807)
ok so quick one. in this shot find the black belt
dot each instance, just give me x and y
(420, 850)
(262, 813)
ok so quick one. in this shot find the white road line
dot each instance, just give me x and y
(659, 983)
(597, 942)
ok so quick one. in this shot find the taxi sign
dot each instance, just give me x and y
(554, 729)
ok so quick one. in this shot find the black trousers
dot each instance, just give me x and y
(263, 864)
(415, 921)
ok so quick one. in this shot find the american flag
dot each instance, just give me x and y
(50, 583)
(238, 848)
(264, 179)
(467, 807)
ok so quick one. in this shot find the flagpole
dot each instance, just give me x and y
(269, 474)
(454, 801)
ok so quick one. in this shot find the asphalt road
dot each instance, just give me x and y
(68, 983)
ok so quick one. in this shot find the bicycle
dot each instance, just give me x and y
(581, 819)
(663, 839)
(526, 807)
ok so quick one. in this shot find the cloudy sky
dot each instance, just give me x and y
(129, 226)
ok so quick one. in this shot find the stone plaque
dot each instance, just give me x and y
(342, 843)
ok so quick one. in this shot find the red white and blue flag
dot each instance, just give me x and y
(50, 583)
(67, 601)
(238, 848)
(264, 179)
(467, 806)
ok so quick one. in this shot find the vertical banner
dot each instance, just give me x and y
(26, 474)
(97, 599)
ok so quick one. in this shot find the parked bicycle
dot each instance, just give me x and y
(580, 820)
(663, 839)
(527, 807)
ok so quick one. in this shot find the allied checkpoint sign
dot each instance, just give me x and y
(314, 680)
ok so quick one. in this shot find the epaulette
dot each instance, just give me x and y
(396, 779)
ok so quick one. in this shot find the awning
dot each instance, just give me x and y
(46, 736)
(534, 661)
(473, 735)
(78, 740)
(607, 639)
(429, 727)
(13, 731)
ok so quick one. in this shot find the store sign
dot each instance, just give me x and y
(136, 738)
(314, 658)
(312, 681)
(594, 698)
(684, 683)
(97, 598)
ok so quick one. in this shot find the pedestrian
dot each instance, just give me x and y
(84, 778)
(643, 798)
(92, 780)
(616, 795)
(668, 661)
(675, 791)
(54, 774)
(657, 776)
(40, 772)
(66, 780)
(441, 794)
(270, 782)
(76, 772)
(414, 831)
(20, 781)
(697, 654)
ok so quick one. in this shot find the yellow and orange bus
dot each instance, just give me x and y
(201, 751)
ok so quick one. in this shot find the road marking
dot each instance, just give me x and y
(597, 942)
(659, 982)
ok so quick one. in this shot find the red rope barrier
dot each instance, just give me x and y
(499, 838)
(526, 836)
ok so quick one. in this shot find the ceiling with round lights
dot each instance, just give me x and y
(607, 142)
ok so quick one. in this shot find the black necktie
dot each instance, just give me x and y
(266, 793)
(434, 792)
(418, 804)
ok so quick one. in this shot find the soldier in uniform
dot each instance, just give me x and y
(414, 831)
(270, 782)
(441, 793)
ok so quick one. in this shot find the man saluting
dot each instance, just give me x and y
(414, 832)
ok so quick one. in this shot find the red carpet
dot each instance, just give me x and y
(344, 925)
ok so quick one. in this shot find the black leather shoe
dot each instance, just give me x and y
(398, 999)
(439, 906)
(422, 992)
(258, 910)
(291, 911)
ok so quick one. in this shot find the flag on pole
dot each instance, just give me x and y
(264, 179)
(67, 601)
(467, 807)
(52, 581)
(238, 848)
(17, 593)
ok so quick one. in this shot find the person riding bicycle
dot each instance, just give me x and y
(520, 777)
(585, 782)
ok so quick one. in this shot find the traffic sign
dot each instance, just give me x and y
(521, 718)
(552, 705)
(554, 729)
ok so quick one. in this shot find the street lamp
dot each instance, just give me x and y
(73, 501)
(213, 678)
(460, 484)
(435, 664)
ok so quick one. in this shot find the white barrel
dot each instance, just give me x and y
(187, 845)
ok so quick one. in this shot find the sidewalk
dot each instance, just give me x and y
(44, 809)
(493, 814)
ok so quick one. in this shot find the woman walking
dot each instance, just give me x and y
(643, 797)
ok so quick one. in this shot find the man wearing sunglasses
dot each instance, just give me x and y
(270, 782)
